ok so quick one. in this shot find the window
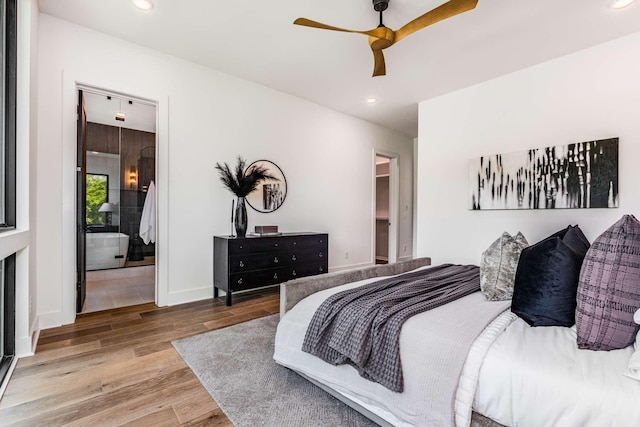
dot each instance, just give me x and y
(7, 314)
(7, 114)
(8, 75)
(97, 190)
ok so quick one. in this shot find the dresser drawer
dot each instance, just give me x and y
(306, 255)
(310, 269)
(259, 261)
(254, 279)
(317, 241)
(256, 245)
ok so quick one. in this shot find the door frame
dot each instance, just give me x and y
(84, 89)
(81, 202)
(73, 81)
(394, 203)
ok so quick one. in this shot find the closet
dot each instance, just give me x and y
(382, 210)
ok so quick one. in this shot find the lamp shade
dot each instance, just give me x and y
(108, 207)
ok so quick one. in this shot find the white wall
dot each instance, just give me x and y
(327, 158)
(589, 95)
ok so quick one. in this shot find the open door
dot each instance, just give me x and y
(386, 200)
(81, 201)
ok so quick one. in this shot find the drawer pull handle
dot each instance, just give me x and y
(294, 273)
(241, 246)
(241, 264)
(295, 243)
(321, 269)
(321, 241)
(321, 255)
(240, 281)
(293, 258)
(275, 275)
(275, 260)
(275, 244)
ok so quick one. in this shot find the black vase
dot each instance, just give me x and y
(241, 217)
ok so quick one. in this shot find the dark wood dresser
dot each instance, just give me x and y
(241, 263)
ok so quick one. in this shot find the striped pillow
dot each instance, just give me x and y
(609, 288)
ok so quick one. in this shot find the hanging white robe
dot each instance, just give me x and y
(148, 220)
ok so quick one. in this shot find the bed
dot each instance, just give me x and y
(512, 374)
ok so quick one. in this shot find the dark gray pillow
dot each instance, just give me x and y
(498, 266)
(609, 288)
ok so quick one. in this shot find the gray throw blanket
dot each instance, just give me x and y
(361, 326)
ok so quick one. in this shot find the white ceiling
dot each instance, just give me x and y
(257, 41)
(137, 115)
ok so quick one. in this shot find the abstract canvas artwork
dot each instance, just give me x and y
(581, 175)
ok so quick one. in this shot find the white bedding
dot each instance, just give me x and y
(538, 377)
(412, 407)
(527, 376)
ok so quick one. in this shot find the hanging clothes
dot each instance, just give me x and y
(148, 220)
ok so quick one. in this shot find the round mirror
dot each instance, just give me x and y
(270, 194)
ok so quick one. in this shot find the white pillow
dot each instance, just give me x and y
(633, 368)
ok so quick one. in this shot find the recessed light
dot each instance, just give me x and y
(143, 4)
(372, 100)
(120, 116)
(621, 4)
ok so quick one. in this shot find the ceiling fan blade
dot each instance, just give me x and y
(440, 13)
(376, 32)
(379, 67)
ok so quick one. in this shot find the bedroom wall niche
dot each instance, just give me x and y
(564, 101)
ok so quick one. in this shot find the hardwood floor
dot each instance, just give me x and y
(118, 367)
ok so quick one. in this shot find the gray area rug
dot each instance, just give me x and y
(236, 366)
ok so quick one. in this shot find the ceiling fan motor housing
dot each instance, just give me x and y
(380, 5)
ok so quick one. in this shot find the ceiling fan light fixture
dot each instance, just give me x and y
(621, 4)
(143, 4)
(380, 5)
(383, 37)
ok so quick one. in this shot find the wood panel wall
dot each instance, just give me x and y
(103, 138)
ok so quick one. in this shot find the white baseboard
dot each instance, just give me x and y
(26, 346)
(191, 295)
(350, 267)
(52, 319)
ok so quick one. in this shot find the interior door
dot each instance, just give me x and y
(81, 203)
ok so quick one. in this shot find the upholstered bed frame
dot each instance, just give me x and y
(294, 291)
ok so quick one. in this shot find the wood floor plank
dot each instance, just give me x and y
(197, 404)
(163, 418)
(60, 353)
(26, 410)
(215, 418)
(118, 367)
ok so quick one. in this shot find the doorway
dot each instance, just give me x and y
(116, 209)
(385, 208)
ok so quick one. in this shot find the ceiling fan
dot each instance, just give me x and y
(382, 37)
